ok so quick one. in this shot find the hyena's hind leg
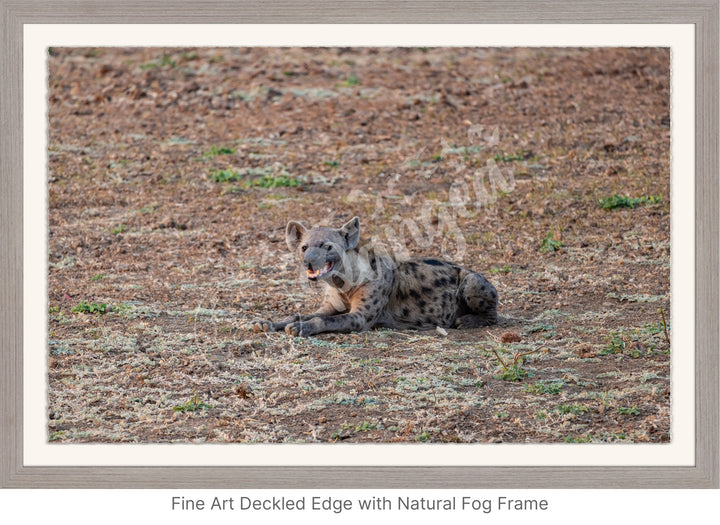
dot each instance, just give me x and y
(477, 302)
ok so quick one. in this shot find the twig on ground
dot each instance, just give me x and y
(662, 314)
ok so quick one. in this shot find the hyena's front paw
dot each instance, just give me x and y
(301, 329)
(263, 326)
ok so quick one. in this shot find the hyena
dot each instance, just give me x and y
(367, 287)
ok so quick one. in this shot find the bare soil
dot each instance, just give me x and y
(172, 175)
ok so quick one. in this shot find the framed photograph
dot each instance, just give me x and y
(322, 245)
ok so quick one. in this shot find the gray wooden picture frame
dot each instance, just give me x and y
(702, 13)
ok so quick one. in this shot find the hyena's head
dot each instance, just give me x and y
(322, 249)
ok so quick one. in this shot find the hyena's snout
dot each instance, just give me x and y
(314, 258)
(316, 263)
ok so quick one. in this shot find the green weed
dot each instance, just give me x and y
(193, 404)
(266, 181)
(622, 201)
(352, 80)
(615, 344)
(540, 327)
(628, 411)
(275, 182)
(365, 427)
(550, 244)
(226, 175)
(543, 387)
(122, 307)
(653, 328)
(572, 409)
(512, 373)
(215, 151)
(62, 350)
(165, 60)
(91, 308)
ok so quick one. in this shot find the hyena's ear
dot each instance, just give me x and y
(293, 233)
(351, 232)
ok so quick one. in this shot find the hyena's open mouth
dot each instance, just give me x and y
(314, 274)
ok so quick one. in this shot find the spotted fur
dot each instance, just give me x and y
(366, 287)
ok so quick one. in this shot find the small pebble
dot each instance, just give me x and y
(509, 337)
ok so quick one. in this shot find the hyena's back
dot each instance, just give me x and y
(429, 292)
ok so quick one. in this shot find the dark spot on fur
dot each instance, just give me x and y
(376, 301)
(426, 290)
(440, 282)
(433, 262)
(482, 287)
(493, 294)
(414, 294)
(418, 323)
(451, 280)
(422, 303)
(406, 312)
(401, 295)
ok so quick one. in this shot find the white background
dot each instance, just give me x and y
(136, 507)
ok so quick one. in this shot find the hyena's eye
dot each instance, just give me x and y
(328, 247)
(303, 247)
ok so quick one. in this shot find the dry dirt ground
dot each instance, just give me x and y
(172, 174)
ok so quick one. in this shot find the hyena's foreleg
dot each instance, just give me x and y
(326, 310)
(365, 311)
(350, 322)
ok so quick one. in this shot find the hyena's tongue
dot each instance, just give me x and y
(314, 274)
